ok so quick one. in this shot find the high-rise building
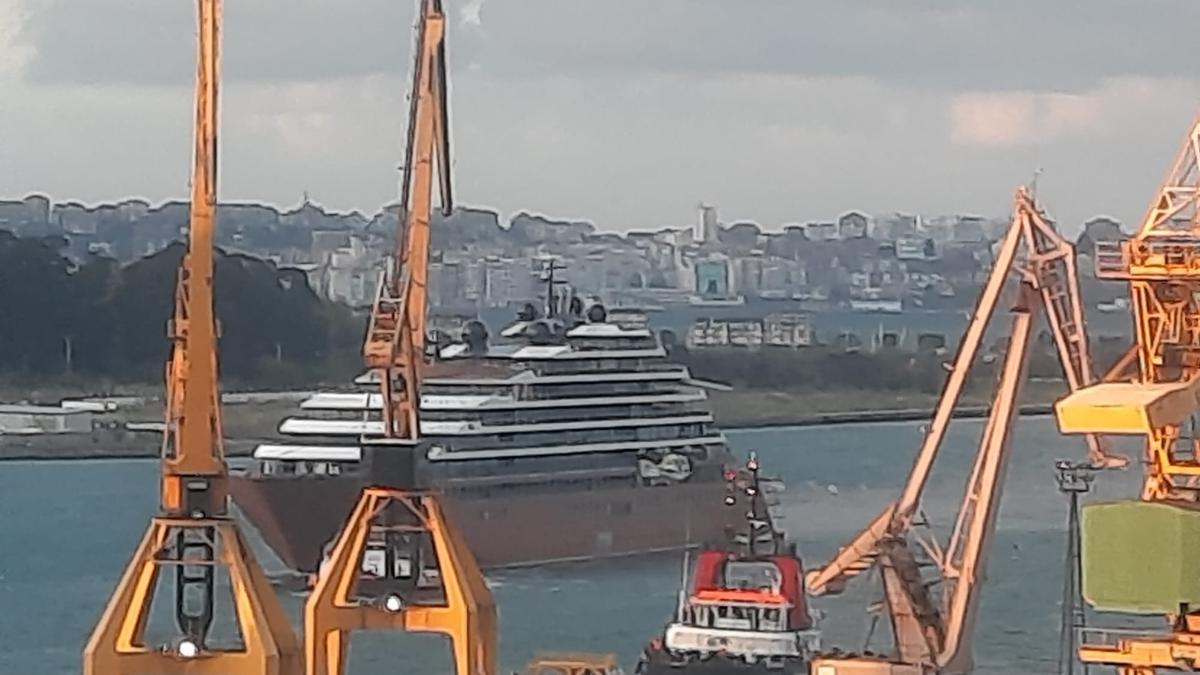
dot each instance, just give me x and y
(706, 224)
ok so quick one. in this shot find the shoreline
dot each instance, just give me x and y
(82, 447)
(831, 419)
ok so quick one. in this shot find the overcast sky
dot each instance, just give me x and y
(624, 112)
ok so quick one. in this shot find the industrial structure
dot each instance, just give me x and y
(428, 579)
(1138, 555)
(933, 634)
(193, 536)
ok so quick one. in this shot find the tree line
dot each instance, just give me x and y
(98, 319)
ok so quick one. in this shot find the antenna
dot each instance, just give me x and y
(681, 600)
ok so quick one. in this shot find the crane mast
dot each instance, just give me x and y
(424, 577)
(193, 536)
(1135, 553)
(395, 342)
(932, 636)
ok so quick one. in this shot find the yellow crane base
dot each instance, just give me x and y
(419, 577)
(193, 550)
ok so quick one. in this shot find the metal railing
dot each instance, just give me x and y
(1148, 258)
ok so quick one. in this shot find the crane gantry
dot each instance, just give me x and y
(193, 535)
(1137, 555)
(931, 636)
(429, 579)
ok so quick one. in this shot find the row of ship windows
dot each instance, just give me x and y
(583, 484)
(616, 412)
(552, 391)
(602, 435)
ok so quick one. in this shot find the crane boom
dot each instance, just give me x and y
(932, 637)
(395, 341)
(193, 537)
(408, 527)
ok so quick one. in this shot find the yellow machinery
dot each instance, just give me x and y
(398, 563)
(573, 664)
(1140, 556)
(933, 634)
(193, 538)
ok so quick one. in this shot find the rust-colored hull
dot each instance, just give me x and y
(297, 517)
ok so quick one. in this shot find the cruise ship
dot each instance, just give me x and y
(568, 436)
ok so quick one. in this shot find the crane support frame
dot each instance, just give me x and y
(465, 610)
(193, 533)
(1159, 393)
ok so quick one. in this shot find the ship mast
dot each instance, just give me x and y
(193, 536)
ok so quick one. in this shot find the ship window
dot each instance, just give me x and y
(771, 618)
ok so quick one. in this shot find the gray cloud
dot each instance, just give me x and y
(980, 44)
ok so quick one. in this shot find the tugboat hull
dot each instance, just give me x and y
(660, 662)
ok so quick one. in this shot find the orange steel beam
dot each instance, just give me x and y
(395, 340)
(460, 605)
(193, 536)
(932, 636)
(1157, 398)
(342, 600)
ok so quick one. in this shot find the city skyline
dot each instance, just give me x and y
(566, 108)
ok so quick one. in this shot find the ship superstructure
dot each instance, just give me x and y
(570, 435)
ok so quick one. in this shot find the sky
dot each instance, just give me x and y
(626, 113)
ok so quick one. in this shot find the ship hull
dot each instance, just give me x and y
(299, 517)
(658, 662)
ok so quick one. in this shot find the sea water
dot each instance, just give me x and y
(67, 530)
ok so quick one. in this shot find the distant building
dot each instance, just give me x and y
(1098, 229)
(821, 231)
(787, 330)
(38, 419)
(707, 227)
(915, 248)
(970, 230)
(712, 277)
(853, 225)
(778, 330)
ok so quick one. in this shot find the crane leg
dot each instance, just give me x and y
(399, 565)
(194, 550)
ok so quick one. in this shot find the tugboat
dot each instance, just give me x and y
(743, 609)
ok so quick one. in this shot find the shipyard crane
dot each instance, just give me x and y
(1138, 556)
(193, 536)
(421, 576)
(931, 634)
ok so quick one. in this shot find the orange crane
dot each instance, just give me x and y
(193, 535)
(931, 636)
(1138, 555)
(422, 576)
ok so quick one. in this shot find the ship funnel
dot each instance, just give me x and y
(475, 334)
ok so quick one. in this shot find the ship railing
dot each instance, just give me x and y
(1093, 636)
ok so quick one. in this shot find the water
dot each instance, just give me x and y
(68, 529)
